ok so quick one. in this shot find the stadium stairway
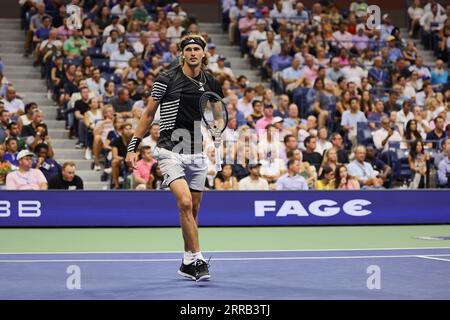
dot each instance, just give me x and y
(28, 84)
(239, 65)
(428, 56)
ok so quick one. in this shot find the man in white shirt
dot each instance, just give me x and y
(404, 115)
(267, 48)
(115, 25)
(219, 69)
(244, 104)
(362, 170)
(342, 38)
(174, 32)
(111, 44)
(120, 9)
(384, 135)
(119, 59)
(353, 72)
(152, 139)
(12, 104)
(257, 36)
(96, 83)
(254, 180)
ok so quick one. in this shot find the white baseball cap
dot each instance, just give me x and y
(24, 153)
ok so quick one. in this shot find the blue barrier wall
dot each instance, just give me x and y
(125, 208)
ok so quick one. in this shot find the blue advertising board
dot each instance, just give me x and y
(146, 209)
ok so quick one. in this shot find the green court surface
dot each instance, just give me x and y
(220, 239)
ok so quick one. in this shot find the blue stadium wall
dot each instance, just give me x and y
(158, 209)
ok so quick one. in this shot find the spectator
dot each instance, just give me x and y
(75, 46)
(119, 59)
(119, 152)
(122, 103)
(292, 180)
(262, 123)
(330, 160)
(326, 180)
(418, 163)
(222, 72)
(245, 26)
(405, 115)
(4, 122)
(244, 104)
(353, 72)
(225, 179)
(379, 166)
(350, 119)
(96, 83)
(141, 174)
(254, 180)
(439, 76)
(101, 130)
(322, 141)
(438, 133)
(309, 155)
(444, 170)
(81, 107)
(111, 44)
(25, 119)
(45, 163)
(412, 133)
(152, 139)
(174, 32)
(115, 25)
(342, 39)
(337, 142)
(26, 178)
(415, 12)
(11, 153)
(386, 134)
(438, 157)
(343, 181)
(13, 104)
(156, 180)
(66, 179)
(14, 132)
(266, 49)
(378, 76)
(362, 170)
(256, 115)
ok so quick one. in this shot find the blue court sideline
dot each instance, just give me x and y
(335, 274)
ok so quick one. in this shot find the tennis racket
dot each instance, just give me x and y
(215, 117)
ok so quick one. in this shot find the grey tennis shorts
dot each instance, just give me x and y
(191, 167)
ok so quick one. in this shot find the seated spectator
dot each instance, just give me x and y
(101, 131)
(66, 179)
(222, 72)
(91, 117)
(4, 122)
(322, 141)
(262, 123)
(11, 153)
(122, 103)
(309, 155)
(119, 152)
(412, 133)
(353, 72)
(329, 159)
(292, 180)
(253, 181)
(326, 179)
(26, 178)
(442, 152)
(116, 26)
(378, 76)
(278, 62)
(337, 142)
(156, 179)
(110, 92)
(342, 39)
(415, 13)
(225, 179)
(405, 115)
(25, 119)
(13, 104)
(175, 30)
(141, 174)
(350, 119)
(14, 132)
(96, 83)
(81, 107)
(382, 169)
(439, 76)
(343, 181)
(363, 171)
(119, 59)
(111, 44)
(318, 101)
(418, 163)
(256, 115)
(444, 169)
(45, 163)
(75, 46)
(438, 133)
(244, 104)
(383, 136)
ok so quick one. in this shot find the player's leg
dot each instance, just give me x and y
(196, 199)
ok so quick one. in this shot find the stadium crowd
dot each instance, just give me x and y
(340, 105)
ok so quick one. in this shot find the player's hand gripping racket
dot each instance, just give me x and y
(215, 116)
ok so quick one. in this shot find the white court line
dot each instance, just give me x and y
(219, 259)
(433, 258)
(219, 251)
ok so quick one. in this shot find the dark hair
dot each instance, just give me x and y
(28, 106)
(145, 148)
(9, 126)
(290, 163)
(254, 102)
(326, 169)
(308, 140)
(408, 133)
(220, 174)
(248, 90)
(7, 141)
(287, 137)
(337, 175)
(40, 146)
(412, 151)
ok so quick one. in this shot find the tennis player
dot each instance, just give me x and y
(183, 164)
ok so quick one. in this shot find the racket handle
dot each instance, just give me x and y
(218, 160)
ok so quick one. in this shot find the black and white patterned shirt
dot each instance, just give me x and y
(178, 98)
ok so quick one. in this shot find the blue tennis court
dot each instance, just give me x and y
(420, 273)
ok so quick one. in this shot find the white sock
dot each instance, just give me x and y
(198, 256)
(188, 258)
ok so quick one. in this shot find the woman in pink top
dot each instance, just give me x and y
(343, 181)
